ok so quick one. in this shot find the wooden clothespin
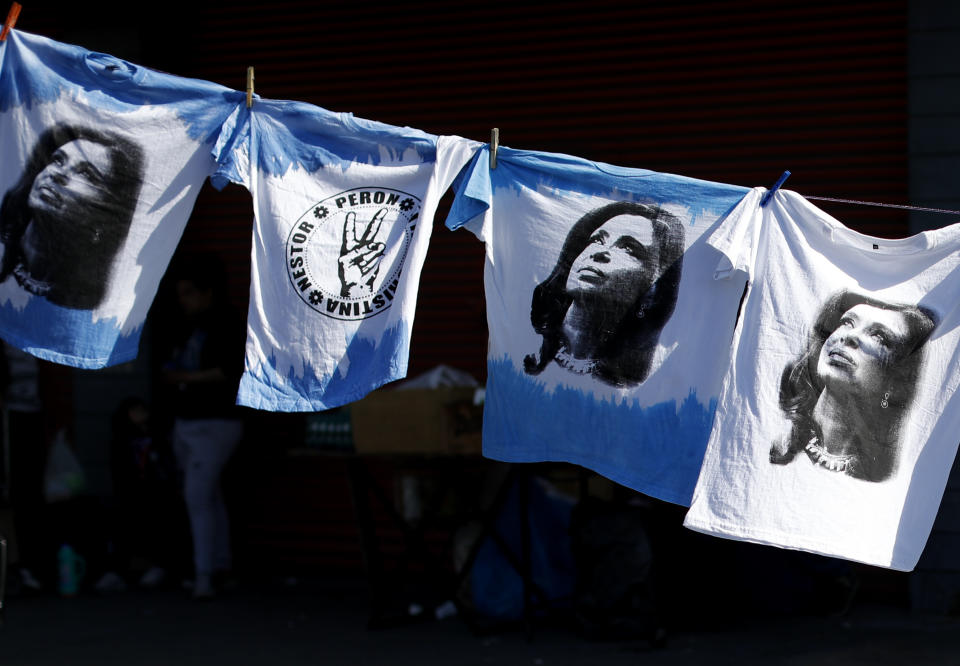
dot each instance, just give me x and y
(11, 20)
(776, 186)
(249, 87)
(494, 146)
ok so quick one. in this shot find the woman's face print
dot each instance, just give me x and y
(857, 352)
(77, 171)
(620, 260)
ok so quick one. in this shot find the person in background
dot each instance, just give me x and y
(147, 512)
(203, 371)
(26, 452)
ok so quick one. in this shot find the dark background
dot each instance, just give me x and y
(735, 92)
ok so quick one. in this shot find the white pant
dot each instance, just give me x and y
(203, 447)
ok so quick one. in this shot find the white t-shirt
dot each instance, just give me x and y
(344, 210)
(608, 337)
(837, 425)
(103, 161)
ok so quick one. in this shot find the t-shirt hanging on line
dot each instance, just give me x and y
(608, 337)
(103, 163)
(837, 425)
(344, 211)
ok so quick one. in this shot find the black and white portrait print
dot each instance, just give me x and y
(614, 287)
(847, 394)
(64, 220)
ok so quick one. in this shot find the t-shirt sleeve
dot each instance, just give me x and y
(232, 150)
(472, 195)
(453, 154)
(736, 237)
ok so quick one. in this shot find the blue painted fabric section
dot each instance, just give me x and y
(524, 169)
(283, 134)
(37, 70)
(666, 441)
(69, 337)
(372, 364)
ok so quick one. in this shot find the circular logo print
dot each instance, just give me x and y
(345, 254)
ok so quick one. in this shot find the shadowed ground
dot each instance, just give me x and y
(325, 622)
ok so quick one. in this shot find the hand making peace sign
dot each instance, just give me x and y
(360, 256)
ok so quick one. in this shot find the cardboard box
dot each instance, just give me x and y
(441, 421)
(329, 430)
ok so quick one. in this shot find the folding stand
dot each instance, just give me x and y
(363, 485)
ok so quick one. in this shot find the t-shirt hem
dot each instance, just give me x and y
(72, 360)
(607, 470)
(253, 397)
(789, 542)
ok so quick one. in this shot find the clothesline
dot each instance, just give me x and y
(886, 205)
(786, 174)
(495, 136)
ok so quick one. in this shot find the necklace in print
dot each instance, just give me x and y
(820, 456)
(579, 366)
(30, 283)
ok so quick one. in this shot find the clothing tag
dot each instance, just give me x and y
(897, 247)
(109, 67)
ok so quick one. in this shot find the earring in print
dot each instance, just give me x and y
(640, 313)
(885, 401)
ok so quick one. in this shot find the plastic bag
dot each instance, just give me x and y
(63, 477)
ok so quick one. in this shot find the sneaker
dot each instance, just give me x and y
(152, 577)
(110, 582)
(225, 581)
(203, 588)
(28, 580)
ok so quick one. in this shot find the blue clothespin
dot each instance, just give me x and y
(776, 186)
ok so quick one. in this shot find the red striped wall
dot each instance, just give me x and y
(729, 91)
